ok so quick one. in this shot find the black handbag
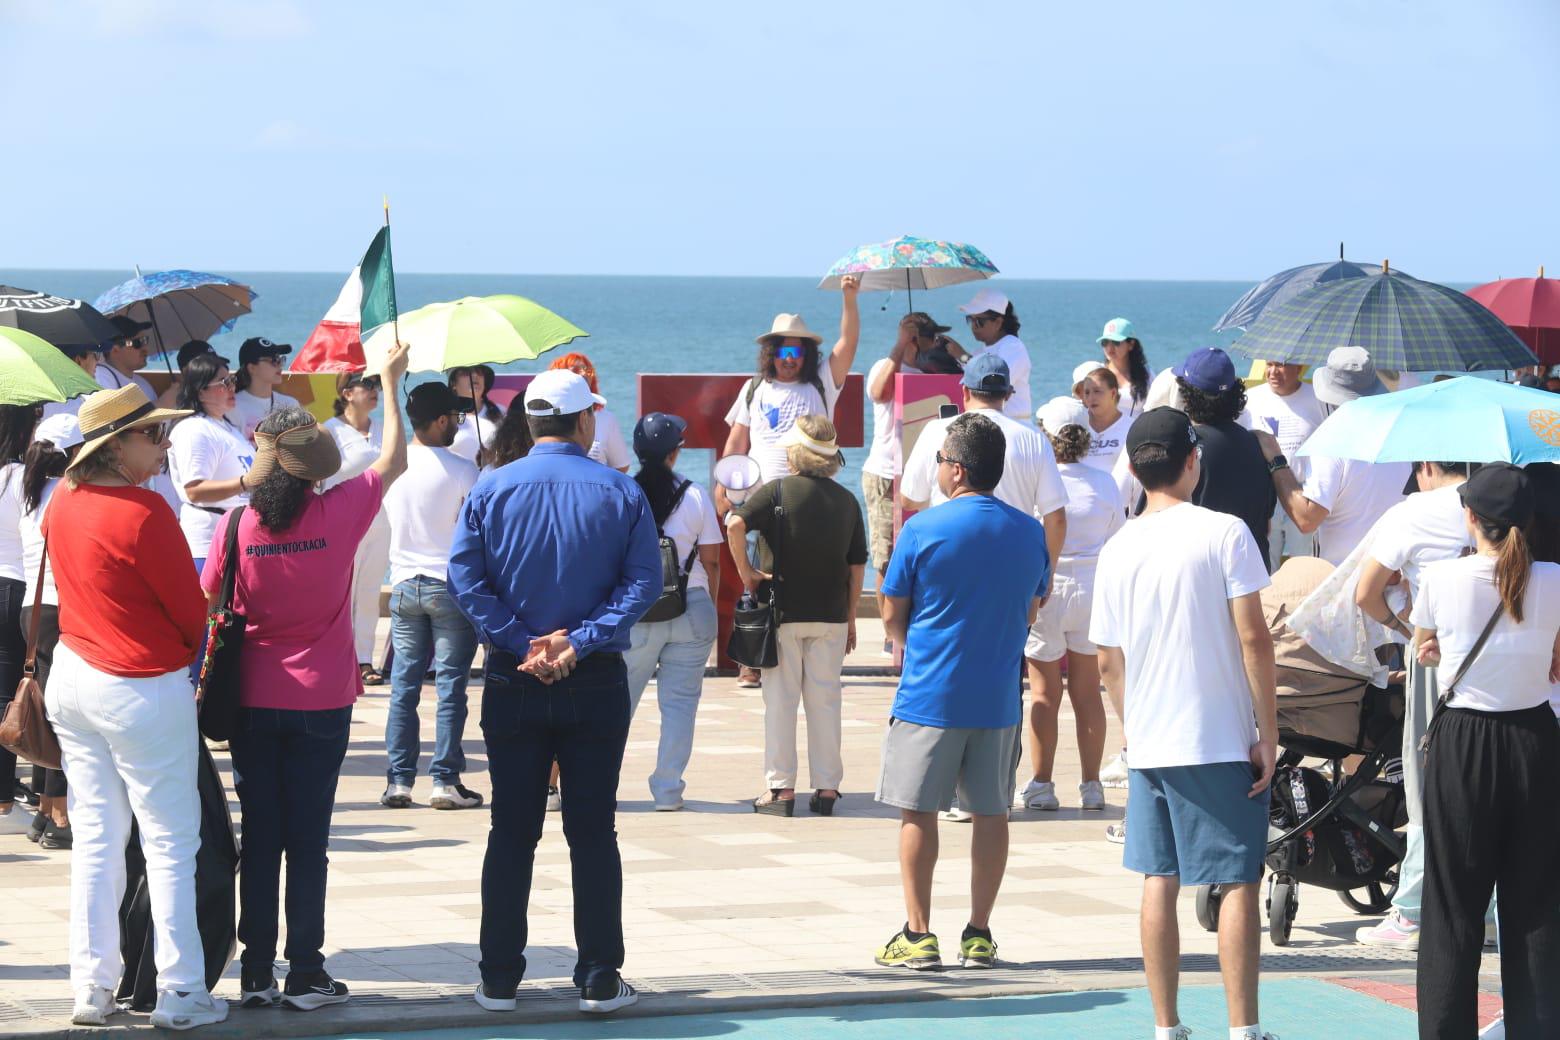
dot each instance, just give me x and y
(755, 624)
(673, 601)
(217, 691)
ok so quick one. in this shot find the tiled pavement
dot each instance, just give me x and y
(719, 902)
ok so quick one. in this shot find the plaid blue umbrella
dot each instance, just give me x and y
(1285, 286)
(1468, 419)
(1407, 325)
(180, 305)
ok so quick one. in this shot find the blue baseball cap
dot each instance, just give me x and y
(1209, 370)
(987, 374)
(657, 435)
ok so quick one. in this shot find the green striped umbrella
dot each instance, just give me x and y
(33, 370)
(1408, 325)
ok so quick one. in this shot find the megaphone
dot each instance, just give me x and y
(739, 475)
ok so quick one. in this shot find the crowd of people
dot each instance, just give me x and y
(1139, 518)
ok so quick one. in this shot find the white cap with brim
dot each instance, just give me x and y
(1348, 375)
(1062, 411)
(986, 300)
(559, 392)
(1085, 370)
(61, 430)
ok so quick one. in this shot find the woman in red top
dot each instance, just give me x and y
(131, 615)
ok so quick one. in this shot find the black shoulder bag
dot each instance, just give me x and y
(755, 624)
(673, 602)
(1451, 688)
(218, 689)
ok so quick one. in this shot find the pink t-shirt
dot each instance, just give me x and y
(295, 588)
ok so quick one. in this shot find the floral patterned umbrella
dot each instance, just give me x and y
(911, 263)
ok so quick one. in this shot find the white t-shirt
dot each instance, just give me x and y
(1030, 480)
(249, 411)
(693, 523)
(1162, 391)
(775, 409)
(465, 444)
(884, 460)
(609, 447)
(1423, 528)
(1011, 349)
(1108, 445)
(110, 378)
(1161, 593)
(1511, 673)
(10, 522)
(206, 449)
(1355, 494)
(1289, 419)
(1094, 512)
(32, 549)
(422, 506)
(357, 451)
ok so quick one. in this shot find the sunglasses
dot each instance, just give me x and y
(269, 359)
(156, 434)
(790, 353)
(941, 458)
(977, 320)
(226, 383)
(459, 417)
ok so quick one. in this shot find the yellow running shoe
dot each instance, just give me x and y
(922, 955)
(977, 952)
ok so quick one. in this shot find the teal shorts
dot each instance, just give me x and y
(1196, 823)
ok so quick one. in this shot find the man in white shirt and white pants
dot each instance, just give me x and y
(425, 622)
(1187, 659)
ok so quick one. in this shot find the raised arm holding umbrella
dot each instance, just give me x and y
(178, 306)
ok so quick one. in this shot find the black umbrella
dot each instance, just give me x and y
(56, 320)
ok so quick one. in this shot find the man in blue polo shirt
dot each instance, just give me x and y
(554, 559)
(963, 586)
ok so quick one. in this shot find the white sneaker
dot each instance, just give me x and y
(93, 1006)
(1116, 833)
(1496, 1030)
(396, 796)
(954, 814)
(676, 806)
(1041, 795)
(186, 1010)
(1393, 932)
(1091, 796)
(454, 796)
(487, 1003)
(1115, 774)
(554, 800)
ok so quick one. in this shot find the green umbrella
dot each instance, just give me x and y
(476, 330)
(31, 371)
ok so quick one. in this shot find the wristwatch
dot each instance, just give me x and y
(1276, 463)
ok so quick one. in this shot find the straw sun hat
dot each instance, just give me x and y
(109, 412)
(790, 326)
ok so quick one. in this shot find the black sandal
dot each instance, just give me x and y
(821, 805)
(772, 804)
(370, 675)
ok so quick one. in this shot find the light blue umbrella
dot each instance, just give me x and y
(910, 263)
(1467, 419)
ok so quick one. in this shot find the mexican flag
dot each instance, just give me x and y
(367, 301)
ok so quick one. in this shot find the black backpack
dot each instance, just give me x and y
(674, 579)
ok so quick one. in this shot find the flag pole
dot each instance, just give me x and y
(395, 319)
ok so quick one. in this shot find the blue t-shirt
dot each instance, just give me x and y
(970, 568)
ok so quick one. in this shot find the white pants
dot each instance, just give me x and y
(129, 745)
(368, 576)
(812, 653)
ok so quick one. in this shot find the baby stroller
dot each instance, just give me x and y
(1326, 828)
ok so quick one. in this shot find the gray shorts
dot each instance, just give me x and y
(924, 766)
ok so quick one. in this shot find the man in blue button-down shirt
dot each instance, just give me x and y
(555, 557)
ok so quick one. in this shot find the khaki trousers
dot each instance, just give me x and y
(812, 654)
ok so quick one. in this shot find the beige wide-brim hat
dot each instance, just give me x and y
(109, 412)
(307, 452)
(789, 326)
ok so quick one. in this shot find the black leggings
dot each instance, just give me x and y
(13, 654)
(1492, 782)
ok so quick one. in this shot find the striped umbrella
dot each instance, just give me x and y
(180, 305)
(910, 263)
(1408, 325)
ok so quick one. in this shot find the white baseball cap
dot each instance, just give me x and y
(559, 392)
(1085, 370)
(61, 430)
(1062, 411)
(986, 300)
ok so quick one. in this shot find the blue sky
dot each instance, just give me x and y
(1077, 140)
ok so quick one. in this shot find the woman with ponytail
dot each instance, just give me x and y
(1490, 624)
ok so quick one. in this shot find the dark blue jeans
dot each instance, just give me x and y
(582, 721)
(285, 767)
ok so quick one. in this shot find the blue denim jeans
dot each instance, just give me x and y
(285, 767)
(674, 653)
(426, 624)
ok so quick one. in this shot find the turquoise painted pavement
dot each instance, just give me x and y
(1293, 1009)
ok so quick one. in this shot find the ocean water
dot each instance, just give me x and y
(652, 324)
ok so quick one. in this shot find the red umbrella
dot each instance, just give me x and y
(1531, 307)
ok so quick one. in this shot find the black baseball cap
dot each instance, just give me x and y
(657, 435)
(128, 328)
(193, 348)
(1501, 492)
(257, 347)
(926, 324)
(1169, 428)
(430, 400)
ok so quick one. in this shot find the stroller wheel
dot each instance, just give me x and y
(1375, 897)
(1208, 898)
(1283, 904)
